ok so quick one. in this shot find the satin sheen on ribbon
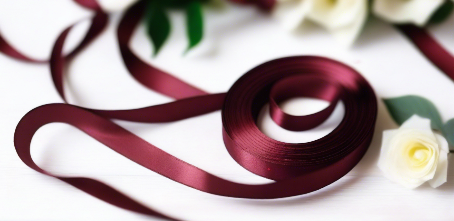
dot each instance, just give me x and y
(297, 168)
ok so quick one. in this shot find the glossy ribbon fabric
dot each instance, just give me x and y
(297, 168)
(302, 168)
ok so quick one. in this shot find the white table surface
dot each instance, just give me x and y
(237, 39)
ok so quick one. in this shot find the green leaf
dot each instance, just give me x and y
(448, 132)
(442, 13)
(194, 19)
(158, 24)
(402, 108)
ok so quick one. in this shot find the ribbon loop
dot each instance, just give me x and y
(318, 77)
(297, 168)
(303, 86)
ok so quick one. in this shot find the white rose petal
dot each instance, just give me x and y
(343, 18)
(403, 11)
(292, 13)
(441, 174)
(413, 154)
(419, 123)
(115, 5)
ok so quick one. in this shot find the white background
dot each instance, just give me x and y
(237, 39)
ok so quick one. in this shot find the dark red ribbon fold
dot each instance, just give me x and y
(303, 86)
(300, 168)
(297, 168)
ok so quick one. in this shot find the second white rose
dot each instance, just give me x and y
(417, 12)
(413, 154)
(343, 18)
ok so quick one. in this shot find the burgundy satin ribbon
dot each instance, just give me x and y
(298, 168)
(265, 5)
(301, 168)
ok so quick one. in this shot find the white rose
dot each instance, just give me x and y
(413, 154)
(343, 18)
(405, 11)
(115, 5)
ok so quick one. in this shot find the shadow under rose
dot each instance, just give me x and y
(375, 31)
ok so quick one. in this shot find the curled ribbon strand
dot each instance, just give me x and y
(297, 168)
(147, 75)
(326, 78)
(302, 168)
